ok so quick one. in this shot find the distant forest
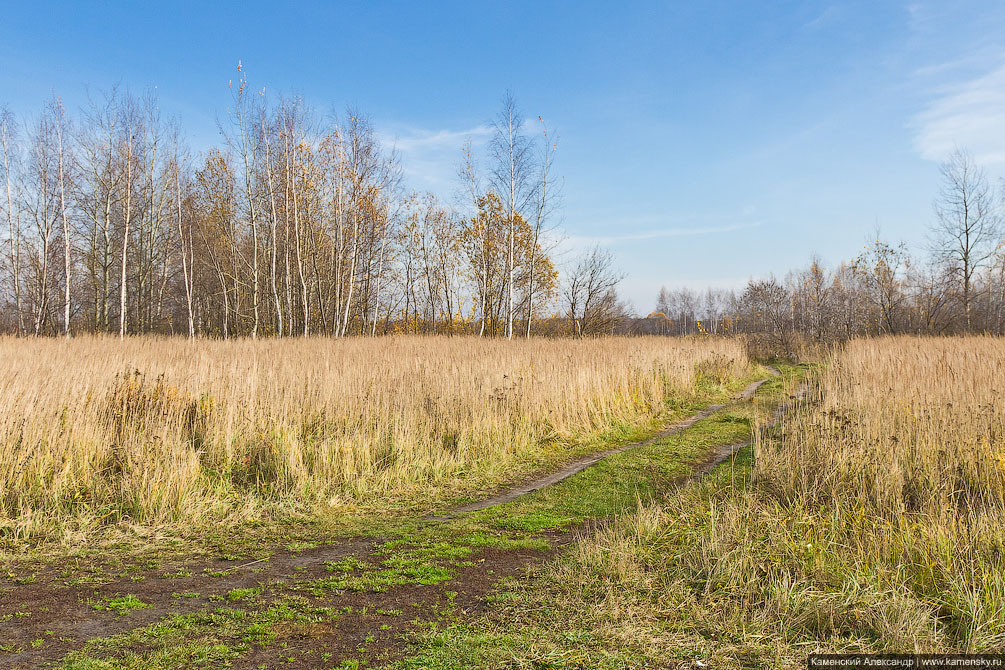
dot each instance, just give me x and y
(957, 285)
(299, 224)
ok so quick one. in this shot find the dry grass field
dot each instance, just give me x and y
(95, 432)
(901, 470)
(871, 519)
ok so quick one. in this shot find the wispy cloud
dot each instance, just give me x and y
(970, 114)
(439, 140)
(430, 157)
(585, 241)
(829, 15)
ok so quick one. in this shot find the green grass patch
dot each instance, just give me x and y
(211, 639)
(241, 594)
(122, 605)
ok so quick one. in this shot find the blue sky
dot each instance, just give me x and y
(702, 142)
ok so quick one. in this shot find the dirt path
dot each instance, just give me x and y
(721, 454)
(581, 464)
(353, 598)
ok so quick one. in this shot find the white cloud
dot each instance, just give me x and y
(440, 140)
(970, 115)
(586, 241)
(826, 17)
(430, 157)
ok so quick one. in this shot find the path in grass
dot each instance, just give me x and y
(581, 464)
(342, 602)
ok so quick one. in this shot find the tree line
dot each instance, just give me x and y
(956, 284)
(301, 224)
(295, 224)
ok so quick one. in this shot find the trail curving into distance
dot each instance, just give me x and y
(585, 462)
(202, 586)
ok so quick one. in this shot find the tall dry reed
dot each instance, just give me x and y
(872, 519)
(906, 453)
(160, 430)
(905, 426)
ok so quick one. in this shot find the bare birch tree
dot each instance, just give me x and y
(8, 145)
(186, 244)
(967, 224)
(60, 126)
(591, 292)
(101, 179)
(543, 206)
(266, 132)
(41, 202)
(512, 177)
(248, 152)
(128, 158)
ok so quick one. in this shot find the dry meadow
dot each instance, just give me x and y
(871, 519)
(153, 431)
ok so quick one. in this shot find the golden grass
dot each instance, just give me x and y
(162, 431)
(872, 520)
(906, 453)
(905, 426)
